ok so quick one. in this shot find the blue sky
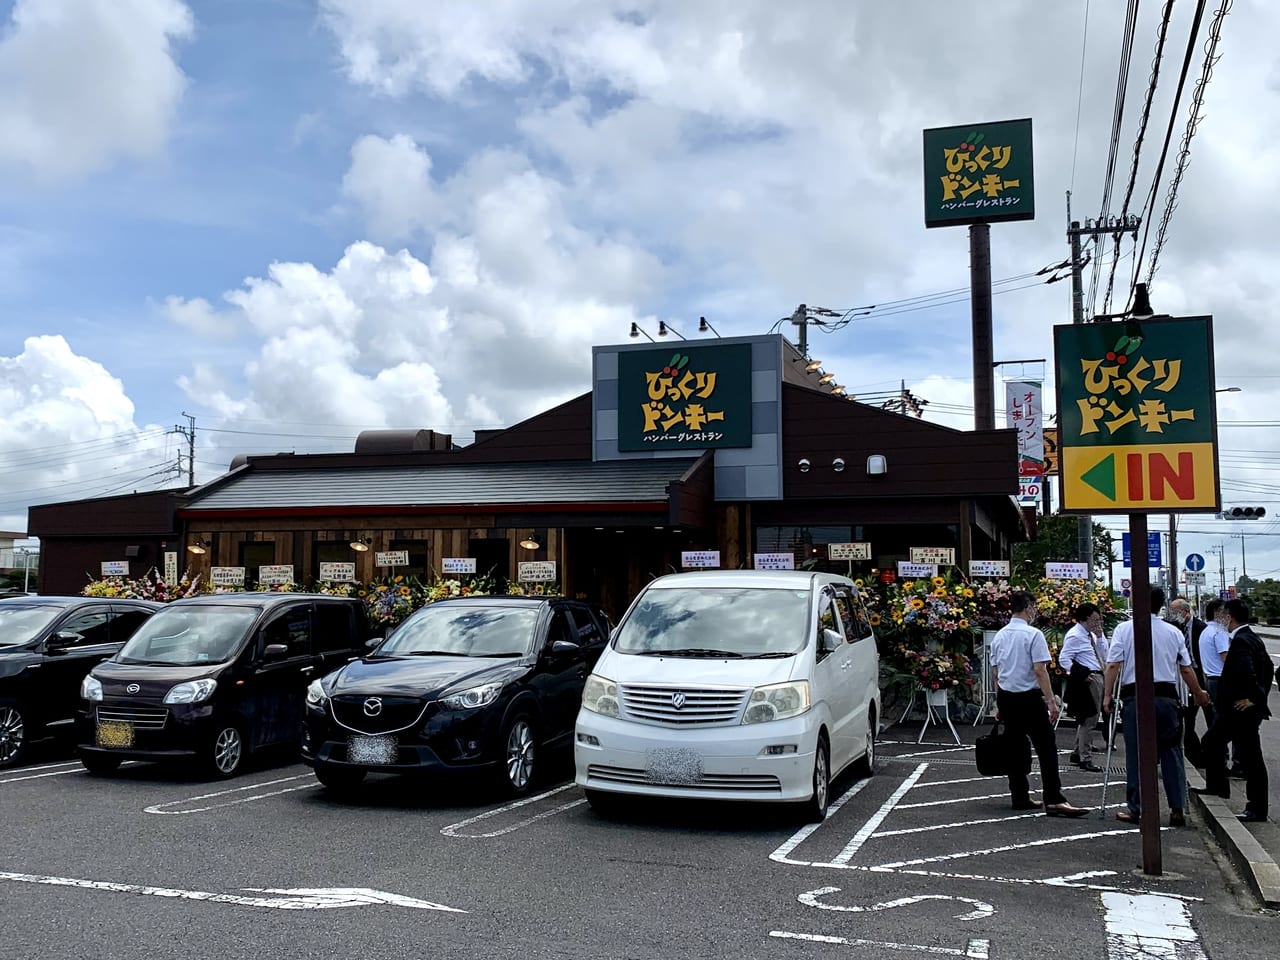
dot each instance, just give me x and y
(296, 219)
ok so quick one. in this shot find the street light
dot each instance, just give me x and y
(1227, 390)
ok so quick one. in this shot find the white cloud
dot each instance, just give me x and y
(83, 82)
(197, 316)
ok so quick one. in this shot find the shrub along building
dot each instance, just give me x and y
(728, 448)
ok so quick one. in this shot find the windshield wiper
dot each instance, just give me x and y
(775, 655)
(497, 654)
(695, 652)
(427, 653)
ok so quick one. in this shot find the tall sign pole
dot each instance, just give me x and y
(1137, 434)
(979, 174)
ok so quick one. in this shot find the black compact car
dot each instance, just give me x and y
(478, 684)
(47, 645)
(215, 678)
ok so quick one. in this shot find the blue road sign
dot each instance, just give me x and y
(1126, 591)
(1224, 594)
(1155, 555)
(1195, 562)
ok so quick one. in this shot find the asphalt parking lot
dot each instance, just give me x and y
(925, 858)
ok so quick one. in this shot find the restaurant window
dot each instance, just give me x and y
(330, 551)
(807, 543)
(255, 554)
(419, 558)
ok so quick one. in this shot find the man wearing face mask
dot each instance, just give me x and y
(1192, 628)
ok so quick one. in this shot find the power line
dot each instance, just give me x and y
(1084, 47)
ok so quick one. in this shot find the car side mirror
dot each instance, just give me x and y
(565, 648)
(831, 641)
(373, 642)
(275, 651)
(61, 640)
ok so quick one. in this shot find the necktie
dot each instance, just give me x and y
(1096, 652)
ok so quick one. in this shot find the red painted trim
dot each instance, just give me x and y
(192, 513)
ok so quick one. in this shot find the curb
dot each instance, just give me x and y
(1255, 864)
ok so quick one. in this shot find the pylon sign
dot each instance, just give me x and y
(1137, 419)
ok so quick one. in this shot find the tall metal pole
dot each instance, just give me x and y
(1173, 556)
(984, 371)
(1144, 678)
(1084, 528)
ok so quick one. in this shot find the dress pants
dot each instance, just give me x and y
(1084, 731)
(1168, 748)
(1026, 724)
(1240, 730)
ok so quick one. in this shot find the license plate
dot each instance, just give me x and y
(676, 766)
(115, 733)
(372, 750)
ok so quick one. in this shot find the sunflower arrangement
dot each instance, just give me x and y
(330, 588)
(940, 609)
(150, 586)
(936, 671)
(389, 600)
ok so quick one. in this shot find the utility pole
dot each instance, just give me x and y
(189, 431)
(1217, 550)
(1173, 556)
(1244, 569)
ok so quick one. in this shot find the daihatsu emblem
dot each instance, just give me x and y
(373, 706)
(677, 700)
(132, 688)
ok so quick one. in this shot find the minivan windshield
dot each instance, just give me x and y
(18, 624)
(463, 630)
(188, 636)
(717, 622)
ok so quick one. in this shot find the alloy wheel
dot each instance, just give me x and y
(520, 754)
(227, 749)
(12, 735)
(821, 780)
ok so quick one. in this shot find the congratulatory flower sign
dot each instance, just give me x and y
(688, 397)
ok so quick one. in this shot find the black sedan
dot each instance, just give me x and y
(478, 684)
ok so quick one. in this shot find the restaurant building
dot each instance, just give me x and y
(725, 452)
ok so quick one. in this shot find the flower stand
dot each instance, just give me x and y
(937, 700)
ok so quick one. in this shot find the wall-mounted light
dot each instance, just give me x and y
(636, 330)
(703, 326)
(838, 390)
(877, 465)
(838, 464)
(664, 328)
(198, 547)
(804, 465)
(534, 541)
(361, 545)
(826, 378)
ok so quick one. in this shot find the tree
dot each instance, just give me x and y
(1264, 598)
(1057, 540)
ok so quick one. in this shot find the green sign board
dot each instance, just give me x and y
(1136, 416)
(978, 173)
(684, 397)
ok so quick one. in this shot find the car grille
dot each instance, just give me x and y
(745, 782)
(701, 705)
(141, 717)
(398, 713)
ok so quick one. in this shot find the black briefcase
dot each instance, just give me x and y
(992, 753)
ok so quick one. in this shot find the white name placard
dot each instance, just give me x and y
(848, 551)
(458, 564)
(338, 571)
(115, 568)
(391, 558)
(171, 566)
(699, 558)
(226, 576)
(914, 570)
(1066, 571)
(774, 561)
(275, 573)
(946, 556)
(988, 568)
(536, 571)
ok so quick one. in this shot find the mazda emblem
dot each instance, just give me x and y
(132, 688)
(373, 706)
(677, 700)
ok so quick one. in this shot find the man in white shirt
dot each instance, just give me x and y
(1214, 644)
(1081, 658)
(1169, 658)
(1028, 709)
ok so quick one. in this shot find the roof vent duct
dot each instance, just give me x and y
(401, 441)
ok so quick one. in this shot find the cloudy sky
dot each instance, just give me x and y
(298, 219)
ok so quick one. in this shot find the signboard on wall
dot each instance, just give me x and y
(536, 571)
(988, 568)
(774, 561)
(978, 173)
(699, 558)
(275, 573)
(458, 564)
(1137, 421)
(115, 568)
(338, 571)
(848, 551)
(693, 397)
(944, 556)
(391, 558)
(226, 576)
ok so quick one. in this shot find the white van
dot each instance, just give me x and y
(732, 685)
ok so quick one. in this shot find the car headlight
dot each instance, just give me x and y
(600, 695)
(473, 698)
(91, 688)
(317, 696)
(777, 702)
(193, 691)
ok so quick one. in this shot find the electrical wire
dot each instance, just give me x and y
(1084, 47)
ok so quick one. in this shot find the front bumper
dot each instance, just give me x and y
(186, 731)
(715, 763)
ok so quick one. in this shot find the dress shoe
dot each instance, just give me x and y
(1025, 805)
(1250, 817)
(1128, 816)
(1090, 766)
(1177, 818)
(1074, 758)
(1065, 810)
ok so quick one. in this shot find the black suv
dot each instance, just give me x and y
(47, 645)
(472, 683)
(214, 678)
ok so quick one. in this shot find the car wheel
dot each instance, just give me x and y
(338, 780)
(866, 764)
(519, 756)
(815, 809)
(605, 804)
(13, 734)
(98, 766)
(226, 751)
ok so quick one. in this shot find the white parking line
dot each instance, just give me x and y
(877, 818)
(989, 796)
(1149, 926)
(160, 807)
(783, 853)
(452, 830)
(50, 766)
(921, 861)
(975, 949)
